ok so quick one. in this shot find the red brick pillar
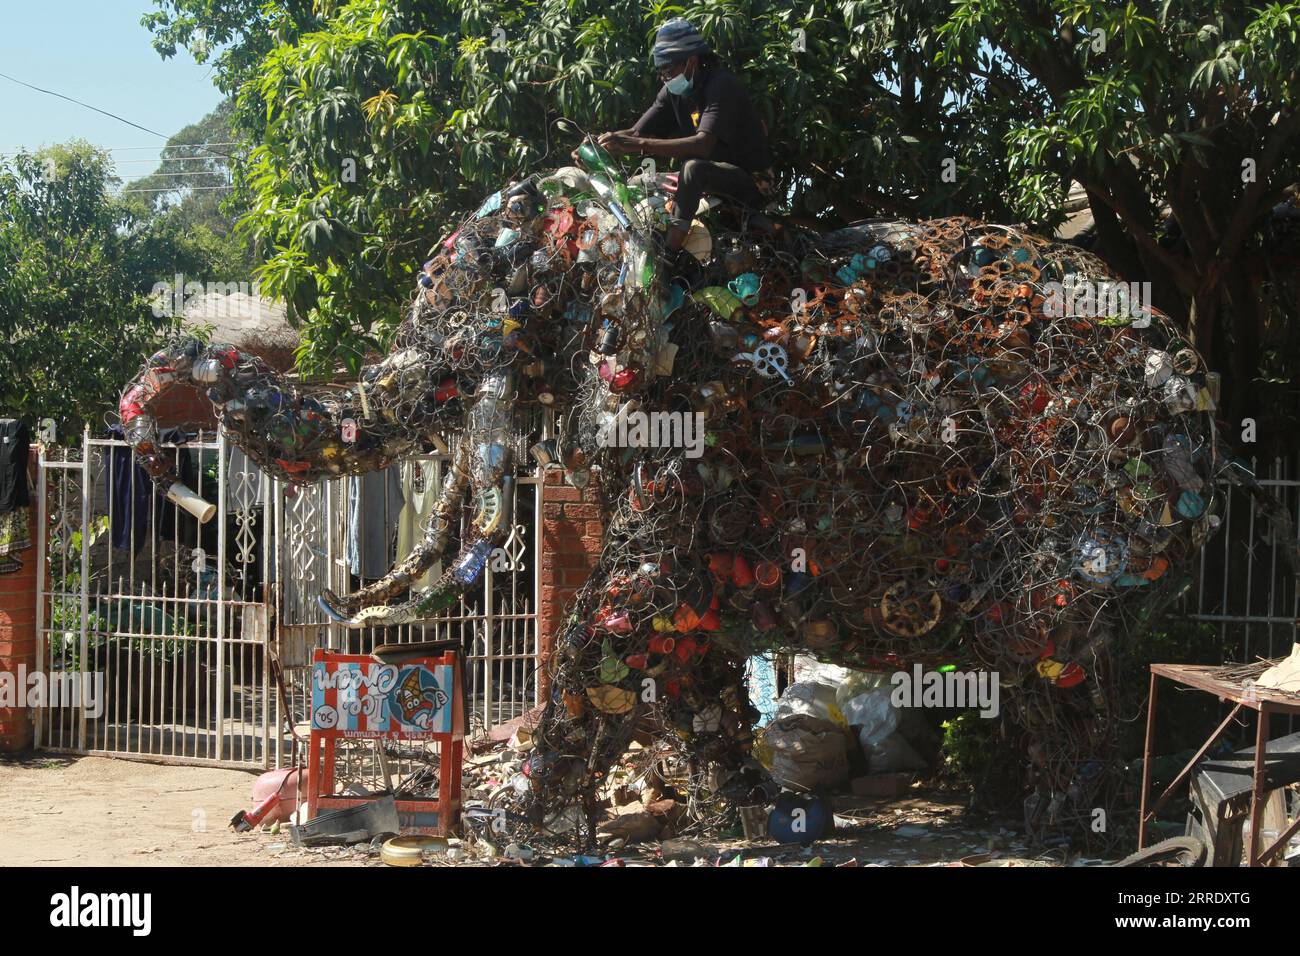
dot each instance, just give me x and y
(570, 547)
(18, 592)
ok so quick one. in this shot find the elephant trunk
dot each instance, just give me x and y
(482, 465)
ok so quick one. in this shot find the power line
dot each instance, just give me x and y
(173, 189)
(203, 172)
(120, 119)
(115, 149)
(118, 149)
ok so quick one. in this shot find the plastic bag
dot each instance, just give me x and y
(808, 668)
(874, 714)
(806, 752)
(857, 683)
(812, 699)
(892, 754)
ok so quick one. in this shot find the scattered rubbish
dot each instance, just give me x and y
(411, 850)
(753, 820)
(275, 795)
(683, 850)
(352, 825)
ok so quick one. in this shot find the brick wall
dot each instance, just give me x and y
(571, 539)
(18, 635)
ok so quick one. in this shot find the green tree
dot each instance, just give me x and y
(375, 121)
(193, 193)
(77, 267)
(231, 34)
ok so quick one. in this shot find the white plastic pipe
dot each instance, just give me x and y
(183, 496)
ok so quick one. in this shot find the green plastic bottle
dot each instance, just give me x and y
(439, 600)
(600, 161)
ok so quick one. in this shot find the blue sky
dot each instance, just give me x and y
(95, 51)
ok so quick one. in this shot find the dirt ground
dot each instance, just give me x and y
(94, 811)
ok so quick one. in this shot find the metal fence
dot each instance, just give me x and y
(203, 633)
(1243, 584)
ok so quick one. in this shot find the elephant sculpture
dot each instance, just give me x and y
(895, 444)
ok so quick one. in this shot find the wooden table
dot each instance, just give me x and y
(1263, 701)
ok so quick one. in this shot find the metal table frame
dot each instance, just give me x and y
(1263, 701)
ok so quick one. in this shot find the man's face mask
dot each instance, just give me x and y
(679, 84)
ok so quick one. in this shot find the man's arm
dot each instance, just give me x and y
(697, 145)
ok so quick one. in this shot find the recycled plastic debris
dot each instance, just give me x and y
(882, 445)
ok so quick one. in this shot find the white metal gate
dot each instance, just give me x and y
(167, 615)
(193, 626)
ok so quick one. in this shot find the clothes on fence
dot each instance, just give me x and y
(129, 498)
(375, 500)
(132, 495)
(14, 447)
(15, 526)
(420, 481)
(15, 536)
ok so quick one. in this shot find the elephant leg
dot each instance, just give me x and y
(595, 706)
(1075, 772)
(717, 719)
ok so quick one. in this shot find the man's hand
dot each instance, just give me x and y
(617, 142)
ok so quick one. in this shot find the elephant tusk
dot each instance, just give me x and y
(180, 494)
(488, 517)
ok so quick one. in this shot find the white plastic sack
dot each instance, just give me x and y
(811, 699)
(892, 754)
(807, 668)
(858, 682)
(874, 714)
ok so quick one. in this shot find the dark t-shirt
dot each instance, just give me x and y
(13, 465)
(716, 104)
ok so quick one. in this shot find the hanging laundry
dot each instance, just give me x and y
(132, 494)
(15, 526)
(420, 481)
(374, 501)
